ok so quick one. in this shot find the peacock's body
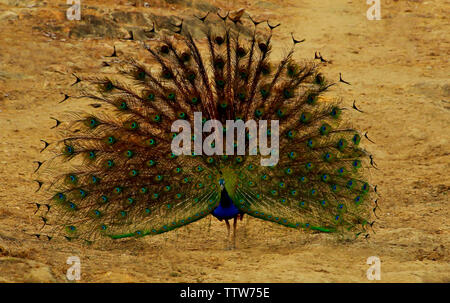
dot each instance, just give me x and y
(116, 174)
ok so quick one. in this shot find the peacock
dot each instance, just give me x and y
(115, 172)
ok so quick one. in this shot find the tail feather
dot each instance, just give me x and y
(114, 173)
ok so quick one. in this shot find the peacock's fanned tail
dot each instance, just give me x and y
(115, 174)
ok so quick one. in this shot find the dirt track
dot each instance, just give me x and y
(399, 71)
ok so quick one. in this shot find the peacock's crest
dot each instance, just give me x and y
(115, 172)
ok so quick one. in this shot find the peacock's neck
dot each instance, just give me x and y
(225, 200)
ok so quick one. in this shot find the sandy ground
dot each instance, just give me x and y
(399, 71)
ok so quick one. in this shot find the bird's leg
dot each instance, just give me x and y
(228, 229)
(234, 231)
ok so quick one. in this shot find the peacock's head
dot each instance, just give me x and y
(222, 183)
(228, 179)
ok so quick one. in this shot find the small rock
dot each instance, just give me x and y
(204, 6)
